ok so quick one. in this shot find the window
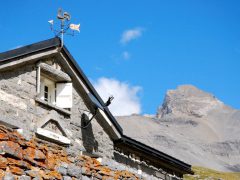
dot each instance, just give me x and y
(56, 93)
(54, 87)
(46, 93)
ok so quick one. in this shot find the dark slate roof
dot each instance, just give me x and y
(29, 49)
(56, 42)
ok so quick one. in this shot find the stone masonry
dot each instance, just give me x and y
(36, 159)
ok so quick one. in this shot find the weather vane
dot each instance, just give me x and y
(65, 25)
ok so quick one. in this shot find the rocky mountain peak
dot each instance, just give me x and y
(193, 126)
(187, 100)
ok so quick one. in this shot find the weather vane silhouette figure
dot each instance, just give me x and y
(65, 25)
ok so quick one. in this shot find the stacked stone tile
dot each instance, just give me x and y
(36, 159)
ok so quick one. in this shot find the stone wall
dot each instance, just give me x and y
(37, 159)
(17, 88)
(18, 107)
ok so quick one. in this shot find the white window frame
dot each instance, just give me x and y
(45, 82)
(59, 94)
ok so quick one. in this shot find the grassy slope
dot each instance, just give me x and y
(204, 173)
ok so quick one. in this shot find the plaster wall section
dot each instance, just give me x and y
(18, 108)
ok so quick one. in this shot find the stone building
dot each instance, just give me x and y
(45, 94)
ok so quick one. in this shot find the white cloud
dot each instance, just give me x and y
(131, 34)
(126, 55)
(126, 100)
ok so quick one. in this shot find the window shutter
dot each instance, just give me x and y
(64, 95)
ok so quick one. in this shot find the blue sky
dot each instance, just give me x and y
(141, 48)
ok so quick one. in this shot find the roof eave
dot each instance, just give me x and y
(184, 167)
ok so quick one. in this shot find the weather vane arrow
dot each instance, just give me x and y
(65, 25)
